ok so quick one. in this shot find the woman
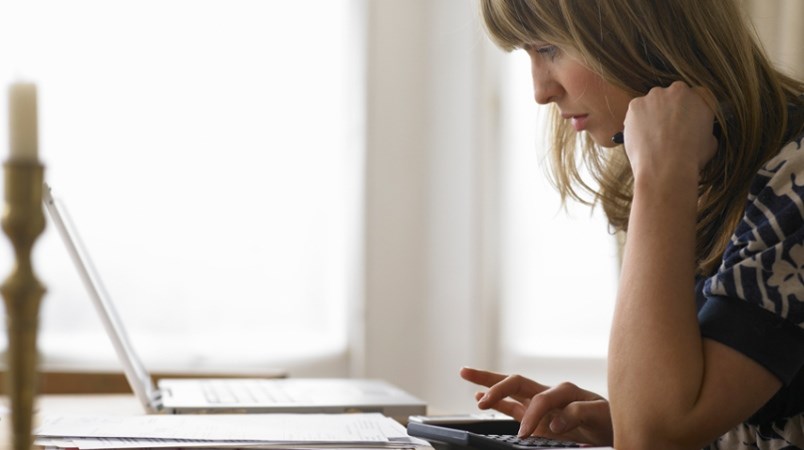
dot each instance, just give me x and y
(706, 346)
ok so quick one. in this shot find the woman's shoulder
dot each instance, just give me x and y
(781, 169)
(784, 172)
(766, 250)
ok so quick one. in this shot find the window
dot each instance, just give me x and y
(558, 268)
(209, 153)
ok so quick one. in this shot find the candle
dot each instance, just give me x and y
(23, 128)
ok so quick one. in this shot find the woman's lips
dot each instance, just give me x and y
(579, 122)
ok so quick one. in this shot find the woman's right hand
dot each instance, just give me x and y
(668, 132)
(564, 412)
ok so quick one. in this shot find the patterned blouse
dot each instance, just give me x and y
(754, 303)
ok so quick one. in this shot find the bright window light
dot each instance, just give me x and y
(209, 154)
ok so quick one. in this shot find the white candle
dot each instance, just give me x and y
(23, 128)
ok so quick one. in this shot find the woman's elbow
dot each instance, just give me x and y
(647, 431)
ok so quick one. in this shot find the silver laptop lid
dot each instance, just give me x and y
(138, 377)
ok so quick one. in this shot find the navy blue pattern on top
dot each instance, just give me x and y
(755, 301)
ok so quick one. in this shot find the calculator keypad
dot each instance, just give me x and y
(531, 441)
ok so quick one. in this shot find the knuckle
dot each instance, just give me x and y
(567, 386)
(678, 85)
(656, 90)
(515, 377)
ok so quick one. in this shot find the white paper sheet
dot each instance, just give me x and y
(244, 430)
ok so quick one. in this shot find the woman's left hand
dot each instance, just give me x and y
(668, 132)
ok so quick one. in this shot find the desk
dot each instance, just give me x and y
(108, 404)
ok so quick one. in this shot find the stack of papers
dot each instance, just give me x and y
(269, 431)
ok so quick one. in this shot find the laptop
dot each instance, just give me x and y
(225, 395)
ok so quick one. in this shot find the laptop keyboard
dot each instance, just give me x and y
(243, 392)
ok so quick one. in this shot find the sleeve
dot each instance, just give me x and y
(755, 301)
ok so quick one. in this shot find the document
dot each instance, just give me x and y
(364, 430)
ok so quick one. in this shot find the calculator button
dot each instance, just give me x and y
(532, 441)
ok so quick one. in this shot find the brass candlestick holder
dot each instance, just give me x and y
(23, 221)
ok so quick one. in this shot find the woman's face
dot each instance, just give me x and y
(583, 97)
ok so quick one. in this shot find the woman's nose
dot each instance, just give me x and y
(545, 89)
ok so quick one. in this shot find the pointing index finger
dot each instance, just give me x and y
(481, 377)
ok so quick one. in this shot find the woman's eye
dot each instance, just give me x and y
(549, 51)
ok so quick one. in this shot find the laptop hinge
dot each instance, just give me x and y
(156, 401)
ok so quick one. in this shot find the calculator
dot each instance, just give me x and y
(483, 435)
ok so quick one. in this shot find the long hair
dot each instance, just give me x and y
(637, 45)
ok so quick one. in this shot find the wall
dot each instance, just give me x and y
(428, 178)
(779, 26)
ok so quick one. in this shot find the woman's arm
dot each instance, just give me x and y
(668, 387)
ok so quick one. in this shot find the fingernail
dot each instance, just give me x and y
(558, 425)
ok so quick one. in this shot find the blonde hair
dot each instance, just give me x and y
(637, 45)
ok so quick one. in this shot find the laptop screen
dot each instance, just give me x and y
(138, 377)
